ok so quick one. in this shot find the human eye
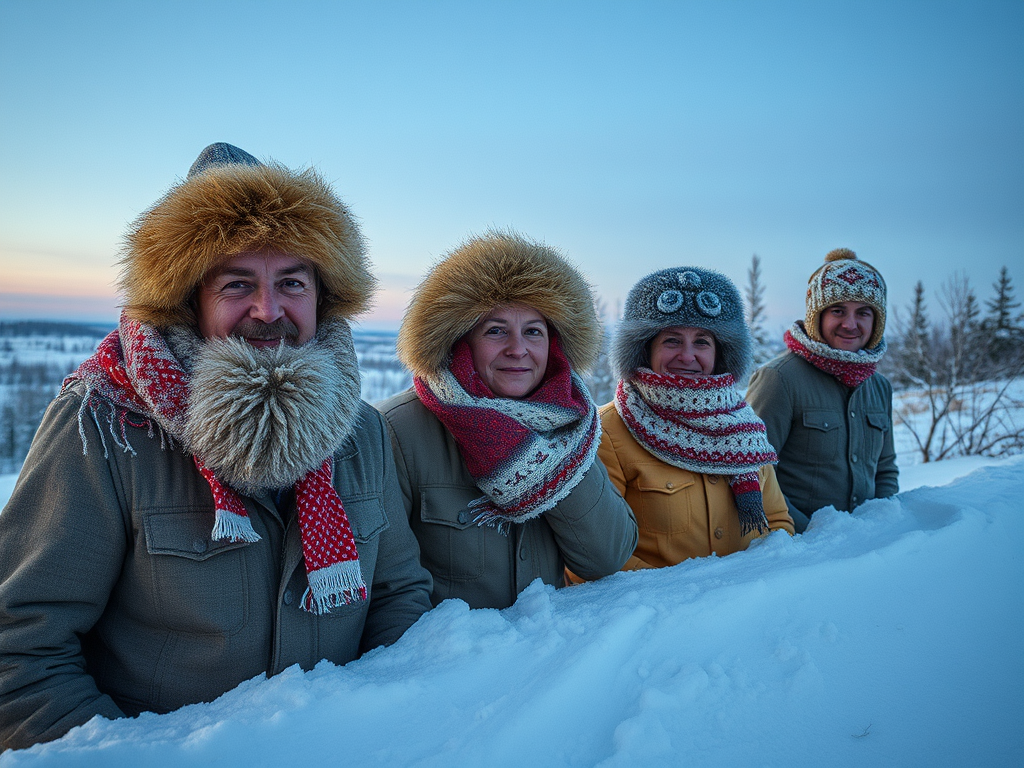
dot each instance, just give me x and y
(293, 285)
(232, 287)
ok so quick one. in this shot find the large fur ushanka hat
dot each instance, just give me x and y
(691, 297)
(232, 203)
(497, 269)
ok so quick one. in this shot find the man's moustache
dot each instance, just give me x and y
(254, 329)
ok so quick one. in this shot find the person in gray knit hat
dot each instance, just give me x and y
(679, 442)
(827, 410)
(208, 499)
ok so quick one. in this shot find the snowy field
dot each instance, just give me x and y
(890, 637)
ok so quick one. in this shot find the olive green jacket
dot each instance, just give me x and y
(592, 530)
(114, 599)
(835, 444)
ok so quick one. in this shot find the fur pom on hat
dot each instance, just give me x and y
(690, 297)
(844, 277)
(232, 203)
(497, 269)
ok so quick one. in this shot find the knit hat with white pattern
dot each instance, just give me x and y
(844, 277)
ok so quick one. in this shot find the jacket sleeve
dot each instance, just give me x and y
(593, 526)
(63, 539)
(769, 396)
(401, 586)
(887, 473)
(776, 508)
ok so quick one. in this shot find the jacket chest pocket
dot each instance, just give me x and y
(874, 434)
(822, 433)
(452, 545)
(665, 498)
(196, 585)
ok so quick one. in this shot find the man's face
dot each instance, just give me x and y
(848, 325)
(260, 296)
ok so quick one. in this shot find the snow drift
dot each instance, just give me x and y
(892, 636)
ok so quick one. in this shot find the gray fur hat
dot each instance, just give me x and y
(690, 297)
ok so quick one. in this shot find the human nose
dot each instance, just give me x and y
(515, 345)
(266, 306)
(687, 353)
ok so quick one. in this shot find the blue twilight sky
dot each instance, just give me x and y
(632, 135)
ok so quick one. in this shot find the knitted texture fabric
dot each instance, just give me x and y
(687, 297)
(701, 425)
(851, 368)
(844, 277)
(135, 371)
(526, 454)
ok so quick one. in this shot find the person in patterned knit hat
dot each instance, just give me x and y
(208, 500)
(827, 410)
(496, 442)
(679, 442)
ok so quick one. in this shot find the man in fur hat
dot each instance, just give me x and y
(208, 499)
(827, 411)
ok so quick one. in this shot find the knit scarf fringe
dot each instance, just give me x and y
(526, 455)
(134, 372)
(702, 425)
(851, 368)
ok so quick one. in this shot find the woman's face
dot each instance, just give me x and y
(510, 350)
(683, 352)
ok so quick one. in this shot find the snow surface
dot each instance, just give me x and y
(892, 636)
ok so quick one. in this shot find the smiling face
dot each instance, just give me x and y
(847, 325)
(262, 296)
(683, 351)
(510, 350)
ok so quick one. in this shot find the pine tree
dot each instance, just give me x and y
(1003, 336)
(754, 294)
(1000, 309)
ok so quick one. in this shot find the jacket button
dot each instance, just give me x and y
(825, 424)
(854, 458)
(199, 545)
(853, 414)
(670, 485)
(464, 517)
(712, 479)
(288, 597)
(718, 533)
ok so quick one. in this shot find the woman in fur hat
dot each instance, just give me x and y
(679, 442)
(495, 445)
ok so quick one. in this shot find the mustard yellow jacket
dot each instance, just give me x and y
(681, 514)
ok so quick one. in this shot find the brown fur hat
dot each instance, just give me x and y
(233, 204)
(497, 269)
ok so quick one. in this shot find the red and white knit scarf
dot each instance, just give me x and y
(701, 425)
(526, 455)
(134, 371)
(851, 368)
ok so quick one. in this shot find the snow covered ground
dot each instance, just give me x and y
(892, 636)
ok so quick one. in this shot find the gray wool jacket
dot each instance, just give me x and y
(115, 600)
(835, 444)
(592, 531)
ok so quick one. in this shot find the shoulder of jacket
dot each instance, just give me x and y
(396, 402)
